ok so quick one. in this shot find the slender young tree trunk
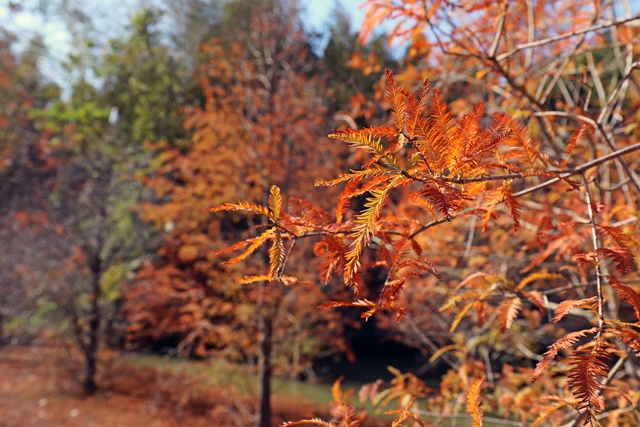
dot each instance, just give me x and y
(89, 384)
(265, 370)
(97, 262)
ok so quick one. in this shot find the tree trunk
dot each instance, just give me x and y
(265, 371)
(89, 385)
(2, 338)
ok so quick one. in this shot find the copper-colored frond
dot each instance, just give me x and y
(565, 306)
(473, 403)
(242, 206)
(586, 366)
(467, 131)
(571, 144)
(628, 336)
(563, 343)
(512, 205)
(419, 103)
(441, 132)
(508, 311)
(627, 294)
(397, 98)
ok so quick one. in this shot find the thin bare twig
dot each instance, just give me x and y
(564, 36)
(596, 246)
(608, 106)
(600, 129)
(496, 40)
(559, 72)
(580, 169)
(577, 171)
(286, 257)
(591, 66)
(531, 33)
(576, 117)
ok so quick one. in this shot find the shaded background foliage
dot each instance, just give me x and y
(105, 180)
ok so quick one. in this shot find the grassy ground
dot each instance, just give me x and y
(218, 372)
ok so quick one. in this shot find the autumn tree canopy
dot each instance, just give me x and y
(562, 174)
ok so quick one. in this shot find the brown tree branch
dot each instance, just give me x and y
(496, 40)
(564, 36)
(580, 169)
(596, 246)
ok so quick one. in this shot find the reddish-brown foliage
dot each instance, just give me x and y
(447, 219)
(458, 173)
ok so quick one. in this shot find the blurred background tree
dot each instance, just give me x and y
(105, 178)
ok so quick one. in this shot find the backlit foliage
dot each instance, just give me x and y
(451, 169)
(473, 403)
